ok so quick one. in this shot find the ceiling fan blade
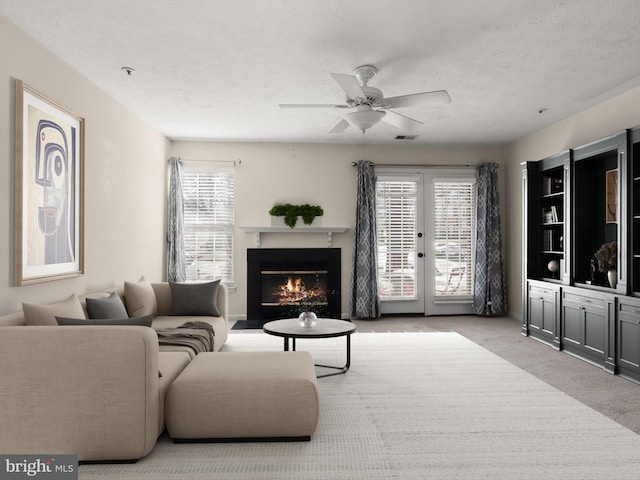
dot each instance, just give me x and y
(400, 121)
(350, 85)
(311, 105)
(341, 126)
(437, 97)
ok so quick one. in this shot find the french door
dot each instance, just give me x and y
(426, 240)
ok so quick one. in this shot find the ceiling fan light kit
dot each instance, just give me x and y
(364, 117)
(371, 105)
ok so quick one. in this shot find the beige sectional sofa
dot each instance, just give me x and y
(98, 391)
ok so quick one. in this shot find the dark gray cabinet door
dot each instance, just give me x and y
(628, 341)
(572, 323)
(588, 326)
(542, 312)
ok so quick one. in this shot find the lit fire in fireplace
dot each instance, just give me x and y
(295, 290)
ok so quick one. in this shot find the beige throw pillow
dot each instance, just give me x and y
(139, 298)
(46, 314)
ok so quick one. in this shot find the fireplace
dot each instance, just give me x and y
(282, 282)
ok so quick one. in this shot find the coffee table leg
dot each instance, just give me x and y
(286, 344)
(342, 370)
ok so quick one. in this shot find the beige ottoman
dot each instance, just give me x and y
(244, 396)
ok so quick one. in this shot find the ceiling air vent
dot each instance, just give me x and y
(406, 137)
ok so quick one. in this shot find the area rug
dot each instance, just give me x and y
(413, 406)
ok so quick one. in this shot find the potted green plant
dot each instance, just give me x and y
(607, 256)
(291, 213)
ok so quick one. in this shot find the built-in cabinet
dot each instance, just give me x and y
(573, 203)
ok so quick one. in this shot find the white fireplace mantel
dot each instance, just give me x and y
(301, 229)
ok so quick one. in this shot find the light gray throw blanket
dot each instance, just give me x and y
(196, 335)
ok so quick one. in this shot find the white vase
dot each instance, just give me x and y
(612, 276)
(308, 319)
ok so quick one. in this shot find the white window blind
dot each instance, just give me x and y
(396, 209)
(454, 228)
(208, 223)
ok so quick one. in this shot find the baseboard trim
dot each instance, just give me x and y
(303, 438)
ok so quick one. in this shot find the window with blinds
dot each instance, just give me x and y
(454, 229)
(396, 210)
(208, 223)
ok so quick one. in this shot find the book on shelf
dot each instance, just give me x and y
(547, 216)
(551, 215)
(547, 240)
(551, 240)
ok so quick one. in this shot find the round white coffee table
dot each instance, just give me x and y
(325, 328)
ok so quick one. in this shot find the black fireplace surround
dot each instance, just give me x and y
(314, 271)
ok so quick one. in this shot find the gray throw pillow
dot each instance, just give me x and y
(195, 298)
(144, 321)
(109, 307)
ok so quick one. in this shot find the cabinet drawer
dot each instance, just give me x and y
(629, 311)
(582, 302)
(542, 293)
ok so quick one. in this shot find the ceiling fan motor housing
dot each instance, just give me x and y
(373, 95)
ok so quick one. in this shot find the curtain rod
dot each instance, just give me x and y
(414, 165)
(235, 162)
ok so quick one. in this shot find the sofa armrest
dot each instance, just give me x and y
(90, 391)
(223, 302)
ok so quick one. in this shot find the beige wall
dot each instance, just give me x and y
(309, 173)
(597, 122)
(125, 177)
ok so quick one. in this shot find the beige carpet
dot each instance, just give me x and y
(413, 406)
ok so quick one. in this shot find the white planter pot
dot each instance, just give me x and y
(279, 222)
(612, 276)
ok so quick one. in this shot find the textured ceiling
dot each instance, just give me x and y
(217, 69)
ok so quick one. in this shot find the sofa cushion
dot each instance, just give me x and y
(170, 364)
(35, 314)
(109, 307)
(139, 298)
(144, 321)
(195, 298)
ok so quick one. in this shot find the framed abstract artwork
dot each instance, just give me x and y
(49, 188)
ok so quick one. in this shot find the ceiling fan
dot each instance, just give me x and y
(370, 104)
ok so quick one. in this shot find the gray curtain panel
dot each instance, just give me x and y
(490, 297)
(364, 300)
(176, 271)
